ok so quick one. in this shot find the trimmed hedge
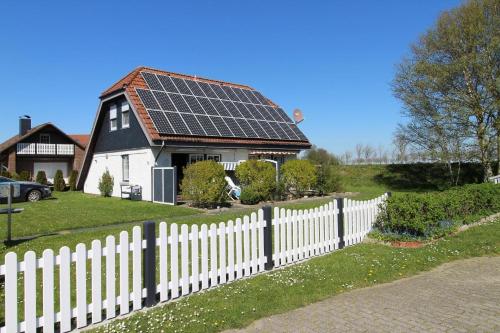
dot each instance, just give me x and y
(41, 177)
(106, 184)
(72, 180)
(429, 214)
(204, 184)
(59, 183)
(298, 176)
(258, 179)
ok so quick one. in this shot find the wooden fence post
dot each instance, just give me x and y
(268, 238)
(340, 224)
(149, 266)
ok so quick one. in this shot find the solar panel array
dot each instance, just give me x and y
(190, 107)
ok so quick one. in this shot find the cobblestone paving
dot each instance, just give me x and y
(462, 296)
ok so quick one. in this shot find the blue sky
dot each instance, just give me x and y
(332, 59)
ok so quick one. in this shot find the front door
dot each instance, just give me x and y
(164, 187)
(180, 161)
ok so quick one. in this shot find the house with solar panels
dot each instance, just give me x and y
(151, 124)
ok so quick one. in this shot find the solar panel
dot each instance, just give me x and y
(165, 102)
(221, 126)
(177, 123)
(297, 132)
(261, 98)
(196, 107)
(207, 125)
(221, 109)
(148, 99)
(250, 96)
(241, 95)
(181, 85)
(235, 128)
(152, 81)
(195, 88)
(246, 128)
(268, 129)
(273, 113)
(160, 121)
(230, 93)
(193, 104)
(253, 110)
(282, 134)
(257, 128)
(207, 106)
(283, 115)
(264, 112)
(288, 131)
(218, 91)
(243, 110)
(179, 103)
(207, 90)
(167, 84)
(193, 124)
(233, 111)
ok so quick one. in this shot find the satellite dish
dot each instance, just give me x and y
(298, 116)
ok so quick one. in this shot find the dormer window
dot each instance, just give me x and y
(125, 115)
(113, 124)
(44, 138)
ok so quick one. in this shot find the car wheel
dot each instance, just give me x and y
(34, 195)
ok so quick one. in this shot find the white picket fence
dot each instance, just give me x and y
(189, 260)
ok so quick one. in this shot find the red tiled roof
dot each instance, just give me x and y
(83, 139)
(133, 80)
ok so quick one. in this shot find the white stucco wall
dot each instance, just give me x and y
(140, 163)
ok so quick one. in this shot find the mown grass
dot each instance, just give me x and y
(74, 210)
(238, 304)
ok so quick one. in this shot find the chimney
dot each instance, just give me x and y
(24, 124)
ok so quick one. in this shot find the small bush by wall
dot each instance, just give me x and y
(59, 183)
(106, 184)
(72, 180)
(24, 176)
(41, 177)
(204, 184)
(298, 176)
(428, 214)
(5, 173)
(258, 179)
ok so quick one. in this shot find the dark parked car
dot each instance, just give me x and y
(30, 191)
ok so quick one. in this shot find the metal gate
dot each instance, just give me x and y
(165, 185)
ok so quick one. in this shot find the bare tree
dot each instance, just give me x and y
(368, 153)
(359, 152)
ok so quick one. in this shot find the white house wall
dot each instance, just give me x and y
(140, 163)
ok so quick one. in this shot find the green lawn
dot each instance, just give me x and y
(240, 303)
(74, 210)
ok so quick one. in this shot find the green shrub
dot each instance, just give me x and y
(250, 197)
(298, 176)
(328, 180)
(433, 214)
(15, 176)
(257, 177)
(24, 176)
(59, 183)
(106, 184)
(41, 177)
(5, 173)
(204, 184)
(72, 180)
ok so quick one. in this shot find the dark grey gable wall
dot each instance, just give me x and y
(132, 137)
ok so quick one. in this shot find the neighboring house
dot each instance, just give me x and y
(43, 147)
(156, 119)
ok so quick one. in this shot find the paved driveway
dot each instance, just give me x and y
(462, 296)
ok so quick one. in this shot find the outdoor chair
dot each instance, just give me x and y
(233, 190)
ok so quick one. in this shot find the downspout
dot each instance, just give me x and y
(161, 149)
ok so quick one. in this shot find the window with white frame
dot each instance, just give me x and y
(125, 168)
(193, 158)
(113, 123)
(44, 138)
(213, 157)
(125, 115)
